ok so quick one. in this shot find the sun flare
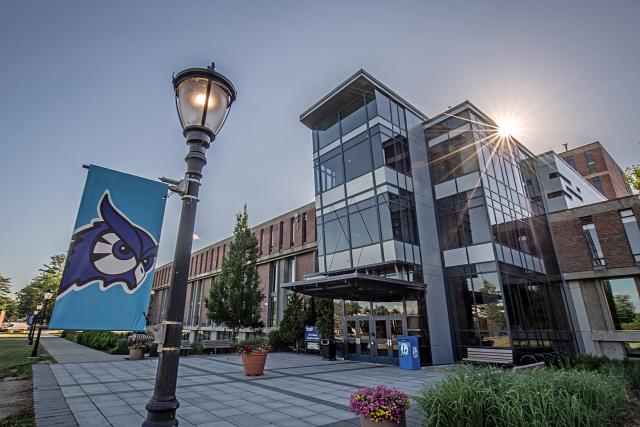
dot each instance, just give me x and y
(508, 127)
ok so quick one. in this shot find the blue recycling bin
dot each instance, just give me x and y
(409, 352)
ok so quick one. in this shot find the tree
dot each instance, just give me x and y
(625, 310)
(325, 317)
(311, 312)
(47, 280)
(490, 310)
(6, 302)
(234, 299)
(632, 176)
(292, 324)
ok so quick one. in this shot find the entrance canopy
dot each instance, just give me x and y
(356, 286)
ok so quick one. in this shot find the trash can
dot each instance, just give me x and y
(409, 352)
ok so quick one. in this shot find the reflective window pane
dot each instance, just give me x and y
(623, 296)
(357, 160)
(331, 170)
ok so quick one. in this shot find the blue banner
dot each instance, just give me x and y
(106, 284)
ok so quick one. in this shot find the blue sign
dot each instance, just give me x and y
(106, 284)
(311, 333)
(31, 319)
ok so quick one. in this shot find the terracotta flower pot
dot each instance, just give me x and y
(254, 363)
(136, 354)
(366, 422)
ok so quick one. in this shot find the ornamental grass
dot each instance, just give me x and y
(537, 397)
(379, 403)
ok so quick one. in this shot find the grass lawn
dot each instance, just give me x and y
(15, 361)
(14, 335)
(16, 408)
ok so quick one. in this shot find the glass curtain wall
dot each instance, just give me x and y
(492, 206)
(363, 185)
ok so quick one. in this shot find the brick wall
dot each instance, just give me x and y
(571, 244)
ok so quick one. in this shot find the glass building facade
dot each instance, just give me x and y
(501, 271)
(444, 203)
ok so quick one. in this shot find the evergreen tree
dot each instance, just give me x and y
(292, 324)
(234, 299)
(311, 312)
(7, 303)
(325, 317)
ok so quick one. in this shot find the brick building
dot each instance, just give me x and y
(443, 229)
(596, 164)
(598, 249)
(287, 253)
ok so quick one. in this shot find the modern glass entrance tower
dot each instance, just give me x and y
(378, 247)
(429, 227)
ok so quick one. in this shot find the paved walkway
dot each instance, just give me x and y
(296, 390)
(65, 351)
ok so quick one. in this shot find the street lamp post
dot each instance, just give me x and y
(32, 329)
(47, 297)
(203, 99)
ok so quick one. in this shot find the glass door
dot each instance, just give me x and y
(387, 329)
(357, 340)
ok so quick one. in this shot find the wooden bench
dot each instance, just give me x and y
(529, 366)
(214, 345)
(489, 355)
(185, 347)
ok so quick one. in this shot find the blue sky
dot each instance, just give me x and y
(90, 82)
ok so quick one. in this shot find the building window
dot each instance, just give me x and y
(363, 218)
(331, 170)
(291, 231)
(592, 241)
(261, 239)
(570, 161)
(590, 163)
(479, 312)
(633, 232)
(195, 302)
(304, 227)
(271, 239)
(281, 235)
(623, 297)
(597, 183)
(632, 349)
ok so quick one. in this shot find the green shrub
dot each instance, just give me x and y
(253, 341)
(153, 349)
(196, 346)
(538, 397)
(100, 340)
(121, 347)
(276, 341)
(63, 334)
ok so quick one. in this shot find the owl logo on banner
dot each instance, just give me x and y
(111, 250)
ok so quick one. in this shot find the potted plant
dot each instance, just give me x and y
(325, 326)
(136, 350)
(380, 406)
(254, 356)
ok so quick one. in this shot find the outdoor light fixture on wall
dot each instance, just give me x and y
(203, 99)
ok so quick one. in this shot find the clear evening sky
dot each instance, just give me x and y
(90, 82)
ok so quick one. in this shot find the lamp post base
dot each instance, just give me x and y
(161, 413)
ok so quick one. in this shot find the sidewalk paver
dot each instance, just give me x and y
(296, 390)
(65, 351)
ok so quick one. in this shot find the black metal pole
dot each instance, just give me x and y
(32, 328)
(161, 409)
(34, 352)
